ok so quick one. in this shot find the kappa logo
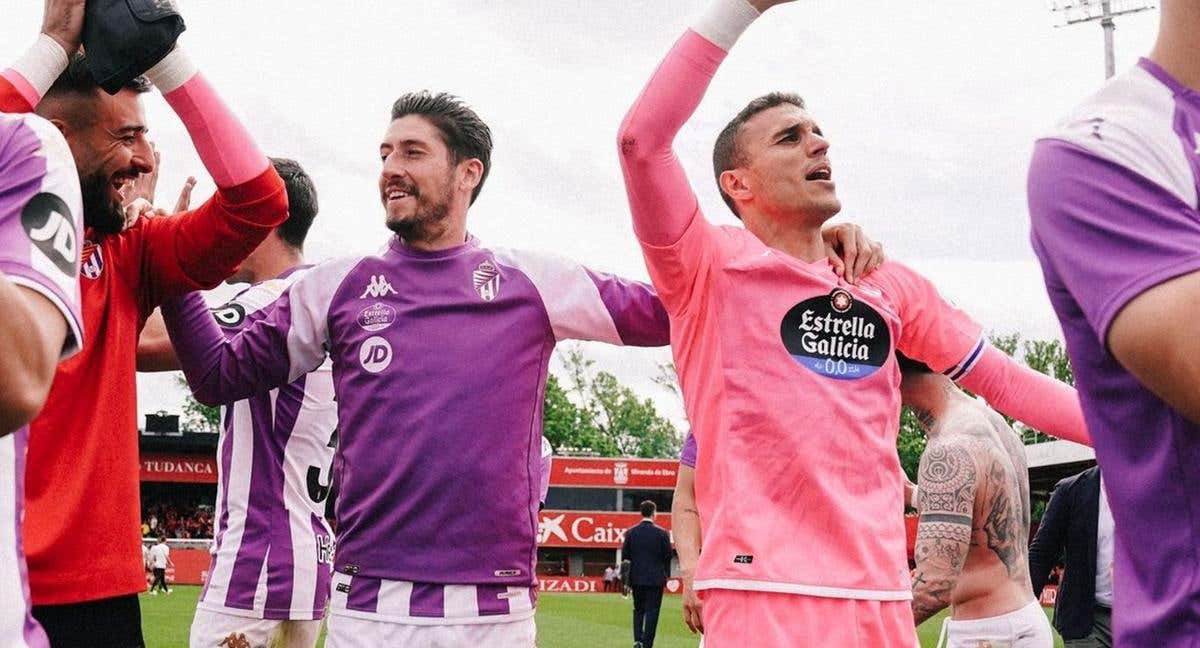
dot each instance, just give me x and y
(486, 279)
(378, 287)
(93, 261)
(504, 573)
(375, 354)
(47, 221)
(551, 527)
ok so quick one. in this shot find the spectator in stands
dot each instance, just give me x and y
(1077, 529)
(160, 557)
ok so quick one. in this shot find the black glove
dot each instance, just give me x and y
(124, 38)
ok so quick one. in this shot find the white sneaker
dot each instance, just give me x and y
(169, 592)
(153, 593)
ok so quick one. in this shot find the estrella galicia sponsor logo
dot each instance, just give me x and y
(376, 317)
(230, 315)
(743, 559)
(836, 336)
(375, 354)
(47, 222)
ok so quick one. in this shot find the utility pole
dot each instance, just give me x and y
(1072, 12)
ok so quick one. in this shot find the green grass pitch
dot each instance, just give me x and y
(564, 621)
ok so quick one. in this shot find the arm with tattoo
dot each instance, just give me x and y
(947, 480)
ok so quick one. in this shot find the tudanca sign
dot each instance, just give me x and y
(163, 467)
(614, 473)
(588, 529)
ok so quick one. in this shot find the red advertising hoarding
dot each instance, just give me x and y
(586, 584)
(169, 467)
(589, 529)
(613, 473)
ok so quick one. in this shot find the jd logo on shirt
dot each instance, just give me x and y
(836, 336)
(47, 221)
(230, 315)
(375, 354)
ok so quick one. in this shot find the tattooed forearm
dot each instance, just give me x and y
(947, 481)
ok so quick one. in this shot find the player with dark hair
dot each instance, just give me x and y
(82, 539)
(782, 355)
(275, 454)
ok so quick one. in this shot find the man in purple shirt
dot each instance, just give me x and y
(41, 214)
(1116, 226)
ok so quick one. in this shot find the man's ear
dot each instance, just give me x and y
(733, 184)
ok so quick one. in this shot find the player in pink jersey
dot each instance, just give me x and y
(787, 369)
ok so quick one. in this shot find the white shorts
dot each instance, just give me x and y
(1023, 628)
(210, 629)
(353, 632)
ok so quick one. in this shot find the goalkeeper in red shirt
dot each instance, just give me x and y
(82, 539)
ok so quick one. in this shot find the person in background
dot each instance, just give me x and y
(647, 546)
(160, 559)
(1077, 528)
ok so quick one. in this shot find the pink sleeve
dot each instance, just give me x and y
(1035, 399)
(931, 330)
(660, 197)
(949, 341)
(226, 148)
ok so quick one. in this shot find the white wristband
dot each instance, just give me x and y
(724, 21)
(42, 63)
(174, 70)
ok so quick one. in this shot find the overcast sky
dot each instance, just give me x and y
(931, 109)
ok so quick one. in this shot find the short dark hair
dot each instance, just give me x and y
(77, 81)
(302, 201)
(909, 366)
(726, 153)
(462, 130)
(648, 508)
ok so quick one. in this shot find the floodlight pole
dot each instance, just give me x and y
(1110, 26)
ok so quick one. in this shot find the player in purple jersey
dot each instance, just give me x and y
(40, 220)
(1116, 226)
(272, 553)
(440, 348)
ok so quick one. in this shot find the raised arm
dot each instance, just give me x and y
(282, 342)
(23, 84)
(1037, 400)
(660, 197)
(949, 341)
(946, 480)
(584, 304)
(200, 248)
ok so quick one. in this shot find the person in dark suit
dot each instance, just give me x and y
(1077, 528)
(648, 549)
